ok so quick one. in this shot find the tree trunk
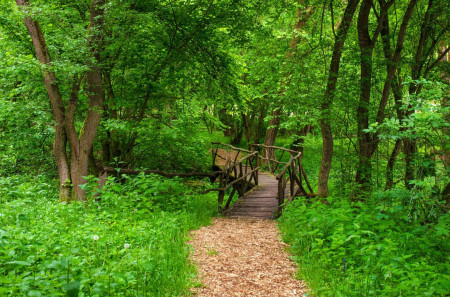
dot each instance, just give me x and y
(409, 145)
(271, 134)
(109, 145)
(246, 122)
(364, 170)
(390, 165)
(392, 60)
(367, 144)
(96, 96)
(238, 132)
(297, 145)
(325, 125)
(445, 157)
(409, 149)
(51, 84)
(259, 130)
(303, 16)
(81, 145)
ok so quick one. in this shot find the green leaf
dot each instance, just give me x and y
(72, 289)
(23, 263)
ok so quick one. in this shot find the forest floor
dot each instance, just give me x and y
(243, 257)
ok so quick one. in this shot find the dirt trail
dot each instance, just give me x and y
(243, 257)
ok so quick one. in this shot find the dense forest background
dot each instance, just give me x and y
(361, 87)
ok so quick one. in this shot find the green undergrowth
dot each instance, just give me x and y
(128, 241)
(368, 249)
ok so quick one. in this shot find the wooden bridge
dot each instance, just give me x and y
(263, 182)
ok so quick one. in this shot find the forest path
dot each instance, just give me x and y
(243, 257)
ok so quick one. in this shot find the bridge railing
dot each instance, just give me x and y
(240, 168)
(268, 157)
(291, 171)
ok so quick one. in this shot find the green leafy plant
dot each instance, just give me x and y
(129, 240)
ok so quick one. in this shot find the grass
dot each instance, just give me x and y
(132, 242)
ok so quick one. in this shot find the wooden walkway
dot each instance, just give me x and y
(238, 169)
(261, 202)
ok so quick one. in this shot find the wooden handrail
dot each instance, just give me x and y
(275, 161)
(240, 178)
(291, 160)
(241, 160)
(232, 147)
(274, 147)
(291, 173)
(244, 170)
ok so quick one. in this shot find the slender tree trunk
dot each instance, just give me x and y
(247, 127)
(259, 130)
(109, 145)
(364, 170)
(96, 96)
(51, 84)
(409, 149)
(445, 156)
(367, 144)
(325, 125)
(271, 133)
(390, 165)
(81, 146)
(303, 16)
(409, 144)
(392, 60)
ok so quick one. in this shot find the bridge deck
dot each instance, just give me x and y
(261, 202)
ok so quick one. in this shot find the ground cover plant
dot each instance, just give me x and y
(128, 241)
(395, 243)
(372, 249)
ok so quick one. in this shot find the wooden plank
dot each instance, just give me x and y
(261, 202)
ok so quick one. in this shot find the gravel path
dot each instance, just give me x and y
(243, 257)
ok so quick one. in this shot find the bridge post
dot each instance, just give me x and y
(280, 195)
(221, 192)
(220, 199)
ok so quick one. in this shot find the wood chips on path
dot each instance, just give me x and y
(243, 257)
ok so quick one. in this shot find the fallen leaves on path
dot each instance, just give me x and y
(243, 257)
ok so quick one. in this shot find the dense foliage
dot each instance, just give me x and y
(370, 249)
(132, 241)
(361, 87)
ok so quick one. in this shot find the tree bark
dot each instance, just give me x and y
(59, 145)
(390, 165)
(325, 125)
(392, 61)
(81, 148)
(366, 144)
(409, 144)
(297, 145)
(271, 134)
(259, 131)
(363, 173)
